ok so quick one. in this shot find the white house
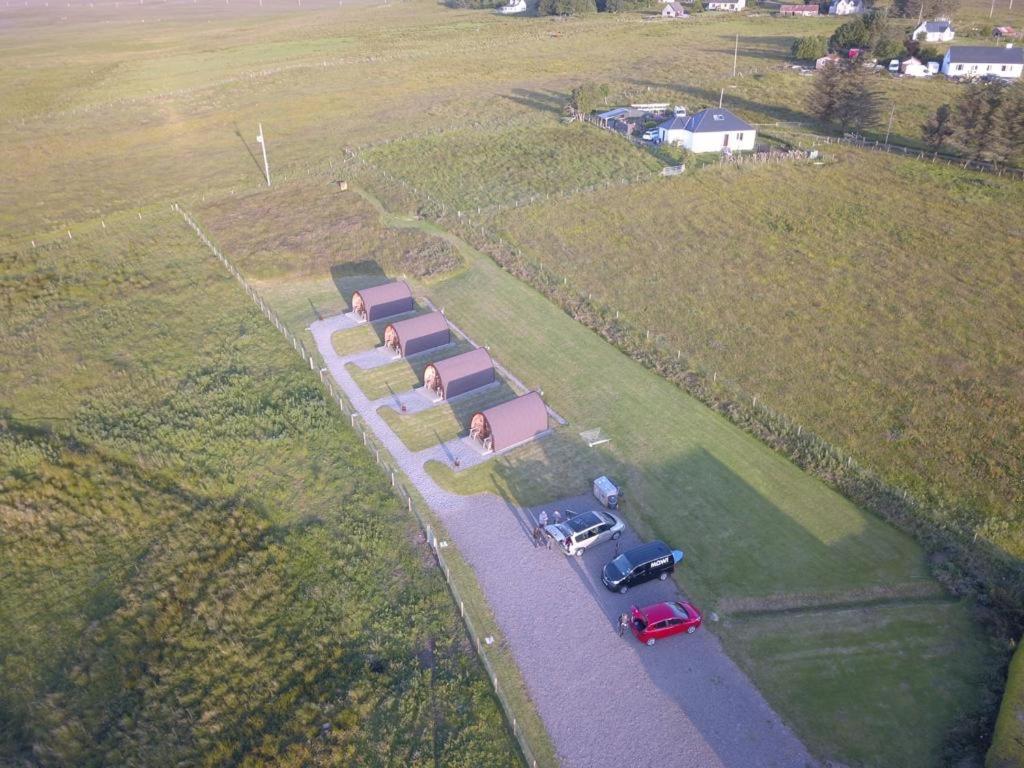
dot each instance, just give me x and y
(913, 67)
(845, 7)
(710, 130)
(513, 6)
(674, 11)
(726, 5)
(979, 60)
(940, 31)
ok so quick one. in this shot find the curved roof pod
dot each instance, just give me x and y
(382, 301)
(417, 334)
(510, 423)
(460, 374)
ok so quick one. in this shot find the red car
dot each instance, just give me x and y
(664, 620)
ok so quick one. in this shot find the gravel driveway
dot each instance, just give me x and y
(607, 701)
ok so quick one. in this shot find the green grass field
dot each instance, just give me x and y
(169, 403)
(202, 564)
(401, 375)
(758, 532)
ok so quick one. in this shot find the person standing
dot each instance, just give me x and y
(623, 624)
(542, 519)
(557, 517)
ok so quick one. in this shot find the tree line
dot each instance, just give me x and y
(985, 123)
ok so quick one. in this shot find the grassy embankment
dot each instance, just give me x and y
(203, 564)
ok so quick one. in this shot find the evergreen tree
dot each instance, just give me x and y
(809, 48)
(585, 98)
(565, 7)
(978, 128)
(852, 34)
(843, 97)
(1011, 114)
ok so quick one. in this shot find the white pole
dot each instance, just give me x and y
(263, 144)
(720, 97)
(992, 9)
(887, 130)
(735, 55)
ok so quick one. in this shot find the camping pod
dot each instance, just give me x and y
(382, 301)
(511, 423)
(417, 334)
(460, 374)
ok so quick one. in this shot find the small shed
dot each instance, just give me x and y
(382, 301)
(673, 10)
(417, 334)
(460, 374)
(511, 423)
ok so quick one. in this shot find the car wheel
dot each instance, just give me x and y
(663, 576)
(691, 629)
(650, 641)
(616, 535)
(579, 552)
(623, 590)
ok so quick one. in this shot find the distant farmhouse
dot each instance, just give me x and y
(1006, 33)
(845, 7)
(940, 31)
(798, 10)
(981, 60)
(710, 130)
(513, 6)
(674, 11)
(726, 5)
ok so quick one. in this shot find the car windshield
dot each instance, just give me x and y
(621, 564)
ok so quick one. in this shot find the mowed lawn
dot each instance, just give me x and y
(885, 328)
(752, 525)
(404, 374)
(445, 421)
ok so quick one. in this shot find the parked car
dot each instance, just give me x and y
(894, 66)
(582, 531)
(664, 620)
(653, 560)
(650, 135)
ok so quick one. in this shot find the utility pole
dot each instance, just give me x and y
(263, 144)
(735, 55)
(720, 97)
(887, 130)
(992, 9)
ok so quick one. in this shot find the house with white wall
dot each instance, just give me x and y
(981, 60)
(845, 7)
(939, 31)
(710, 130)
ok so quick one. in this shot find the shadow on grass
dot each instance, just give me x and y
(542, 101)
(350, 277)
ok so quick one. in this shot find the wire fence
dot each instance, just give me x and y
(314, 361)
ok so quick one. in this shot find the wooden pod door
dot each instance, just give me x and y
(358, 305)
(479, 428)
(432, 380)
(391, 339)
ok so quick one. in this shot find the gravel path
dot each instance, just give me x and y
(607, 701)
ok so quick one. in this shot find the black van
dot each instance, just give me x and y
(653, 560)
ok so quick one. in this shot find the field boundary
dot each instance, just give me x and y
(512, 716)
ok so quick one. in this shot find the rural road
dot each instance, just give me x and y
(607, 701)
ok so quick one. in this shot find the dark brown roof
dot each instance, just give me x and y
(382, 294)
(466, 364)
(517, 420)
(421, 325)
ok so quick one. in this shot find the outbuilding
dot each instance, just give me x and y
(382, 301)
(673, 10)
(511, 423)
(460, 374)
(417, 334)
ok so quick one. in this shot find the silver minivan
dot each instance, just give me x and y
(582, 531)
